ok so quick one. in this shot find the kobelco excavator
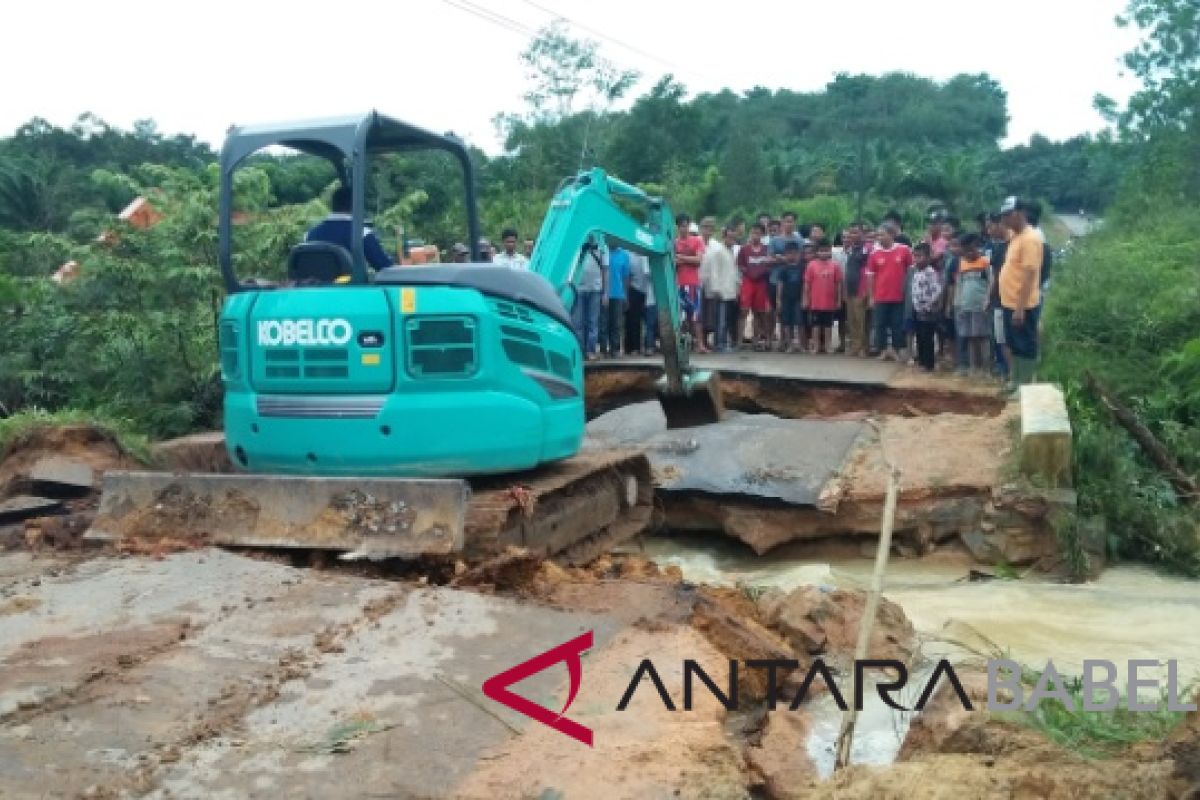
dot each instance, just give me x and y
(431, 410)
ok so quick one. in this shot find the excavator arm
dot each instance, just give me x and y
(590, 208)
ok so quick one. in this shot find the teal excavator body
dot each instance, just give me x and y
(444, 370)
(398, 379)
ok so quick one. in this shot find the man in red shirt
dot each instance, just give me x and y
(887, 271)
(689, 250)
(754, 261)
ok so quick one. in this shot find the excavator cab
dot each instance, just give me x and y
(348, 144)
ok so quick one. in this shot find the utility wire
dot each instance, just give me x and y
(499, 20)
(631, 48)
(506, 20)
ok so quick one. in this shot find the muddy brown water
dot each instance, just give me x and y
(1130, 612)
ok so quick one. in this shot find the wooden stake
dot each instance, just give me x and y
(846, 734)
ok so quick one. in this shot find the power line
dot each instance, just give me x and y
(673, 67)
(486, 15)
(505, 20)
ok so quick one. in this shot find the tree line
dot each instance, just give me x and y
(133, 338)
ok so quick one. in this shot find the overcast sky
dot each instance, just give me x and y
(453, 64)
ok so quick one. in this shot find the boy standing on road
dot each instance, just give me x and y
(635, 304)
(689, 249)
(754, 264)
(593, 288)
(927, 305)
(618, 290)
(970, 302)
(887, 268)
(785, 232)
(856, 285)
(824, 293)
(788, 294)
(998, 236)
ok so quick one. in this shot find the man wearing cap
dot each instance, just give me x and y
(460, 252)
(689, 250)
(486, 251)
(1020, 297)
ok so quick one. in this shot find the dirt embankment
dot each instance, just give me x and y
(907, 396)
(56, 469)
(948, 752)
(951, 753)
(82, 443)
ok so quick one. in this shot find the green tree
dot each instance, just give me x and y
(658, 130)
(1164, 115)
(745, 179)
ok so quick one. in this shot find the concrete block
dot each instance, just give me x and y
(62, 476)
(22, 507)
(200, 452)
(1015, 546)
(1045, 435)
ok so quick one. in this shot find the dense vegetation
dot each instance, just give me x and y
(134, 338)
(1126, 307)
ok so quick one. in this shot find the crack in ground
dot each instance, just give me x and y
(89, 688)
(240, 696)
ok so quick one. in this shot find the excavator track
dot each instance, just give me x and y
(571, 511)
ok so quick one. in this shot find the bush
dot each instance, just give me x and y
(15, 429)
(1126, 307)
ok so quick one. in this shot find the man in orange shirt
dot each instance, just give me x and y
(1020, 297)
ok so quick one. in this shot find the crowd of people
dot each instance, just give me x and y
(954, 299)
(967, 300)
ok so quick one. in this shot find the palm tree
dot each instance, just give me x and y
(24, 195)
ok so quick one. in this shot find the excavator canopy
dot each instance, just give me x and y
(347, 143)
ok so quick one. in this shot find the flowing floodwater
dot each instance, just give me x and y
(1130, 612)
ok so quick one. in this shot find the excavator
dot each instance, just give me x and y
(417, 411)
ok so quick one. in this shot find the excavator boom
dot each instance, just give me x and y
(588, 210)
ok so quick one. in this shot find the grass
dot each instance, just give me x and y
(1092, 734)
(1096, 734)
(20, 426)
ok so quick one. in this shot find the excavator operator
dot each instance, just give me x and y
(336, 229)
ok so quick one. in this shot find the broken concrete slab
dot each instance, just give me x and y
(1045, 435)
(22, 507)
(1018, 525)
(200, 452)
(62, 477)
(759, 455)
(372, 517)
(1016, 546)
